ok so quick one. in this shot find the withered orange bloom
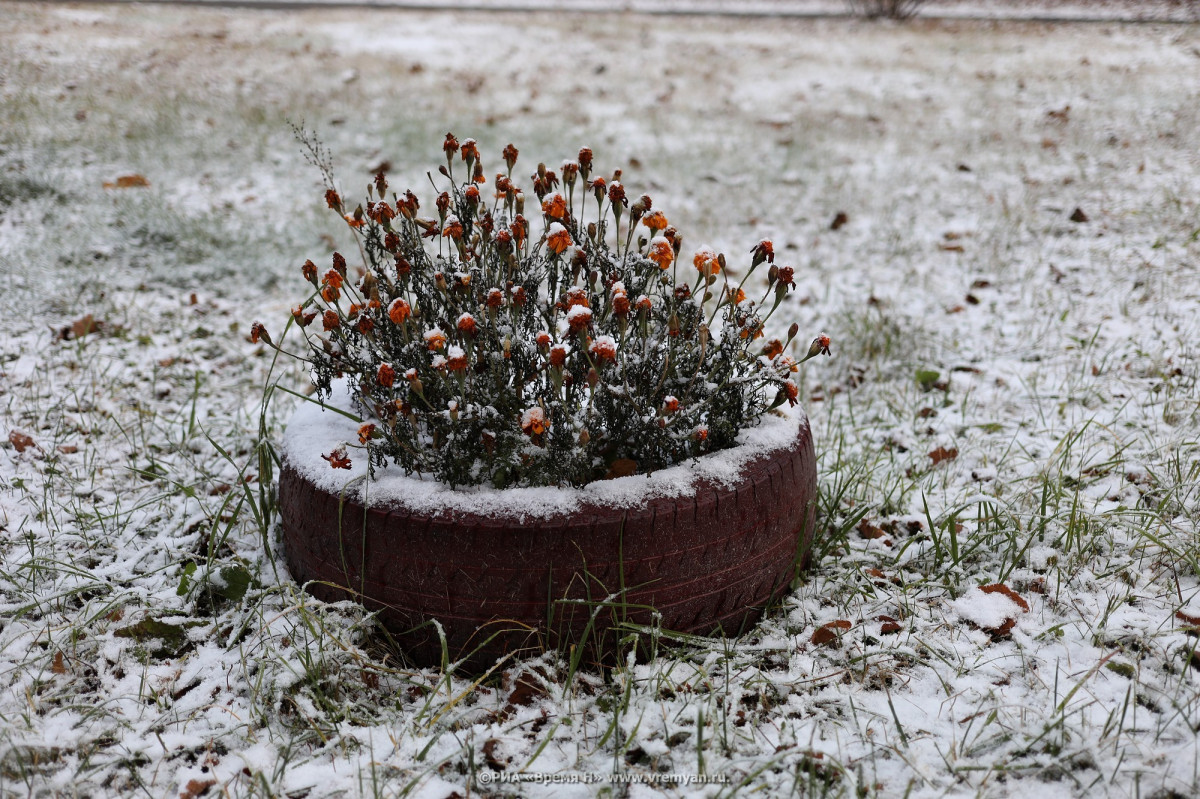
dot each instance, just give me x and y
(466, 324)
(453, 228)
(774, 347)
(330, 294)
(365, 324)
(386, 375)
(558, 355)
(399, 310)
(555, 206)
(333, 200)
(701, 433)
(559, 239)
(337, 459)
(791, 390)
(309, 271)
(257, 332)
(661, 252)
(495, 298)
(644, 303)
(330, 320)
(435, 339)
(543, 338)
(736, 296)
(365, 433)
(354, 222)
(470, 150)
(670, 404)
(519, 296)
(655, 220)
(334, 278)
(534, 422)
(520, 230)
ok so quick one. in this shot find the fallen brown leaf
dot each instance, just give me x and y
(196, 788)
(58, 667)
(827, 634)
(20, 441)
(128, 182)
(942, 454)
(1001, 588)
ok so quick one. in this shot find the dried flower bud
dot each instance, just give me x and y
(339, 263)
(593, 378)
(309, 271)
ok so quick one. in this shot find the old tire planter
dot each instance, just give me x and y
(707, 562)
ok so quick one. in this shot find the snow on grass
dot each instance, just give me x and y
(1013, 400)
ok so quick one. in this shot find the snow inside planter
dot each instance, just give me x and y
(706, 544)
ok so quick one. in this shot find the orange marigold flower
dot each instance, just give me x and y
(333, 200)
(774, 347)
(365, 433)
(787, 276)
(520, 229)
(510, 155)
(534, 421)
(435, 339)
(736, 296)
(337, 459)
(309, 271)
(334, 278)
(470, 150)
(791, 390)
(386, 375)
(789, 363)
(820, 345)
(577, 295)
(330, 320)
(616, 194)
(355, 221)
(661, 252)
(466, 324)
(453, 228)
(763, 251)
(450, 145)
(472, 194)
(700, 433)
(403, 267)
(579, 317)
(655, 220)
(543, 339)
(604, 348)
(456, 359)
(555, 206)
(558, 354)
(519, 297)
(365, 324)
(706, 261)
(558, 239)
(644, 303)
(495, 298)
(620, 303)
(330, 294)
(399, 310)
(670, 404)
(259, 331)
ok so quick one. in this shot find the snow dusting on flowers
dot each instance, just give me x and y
(531, 338)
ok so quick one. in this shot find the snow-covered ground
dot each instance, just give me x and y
(1008, 597)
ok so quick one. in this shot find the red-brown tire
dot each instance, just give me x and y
(706, 562)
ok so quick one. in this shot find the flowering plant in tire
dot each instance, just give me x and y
(496, 338)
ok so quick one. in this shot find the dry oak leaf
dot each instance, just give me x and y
(128, 182)
(20, 441)
(942, 454)
(827, 634)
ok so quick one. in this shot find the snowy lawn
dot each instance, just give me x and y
(1008, 594)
